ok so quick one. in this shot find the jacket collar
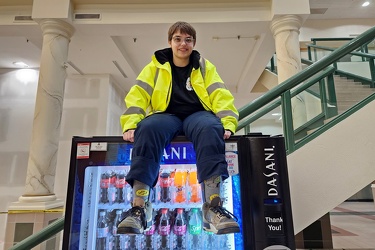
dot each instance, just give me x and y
(166, 55)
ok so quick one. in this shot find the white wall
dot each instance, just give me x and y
(334, 28)
(92, 107)
(267, 127)
(17, 101)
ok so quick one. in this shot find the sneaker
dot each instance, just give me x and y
(217, 219)
(137, 220)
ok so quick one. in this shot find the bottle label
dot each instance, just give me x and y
(120, 183)
(164, 182)
(102, 232)
(150, 231)
(164, 230)
(195, 229)
(179, 230)
(112, 179)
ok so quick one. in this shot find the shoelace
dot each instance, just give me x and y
(140, 213)
(223, 212)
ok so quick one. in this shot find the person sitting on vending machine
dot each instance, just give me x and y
(179, 93)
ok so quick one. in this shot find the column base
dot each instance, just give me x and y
(36, 203)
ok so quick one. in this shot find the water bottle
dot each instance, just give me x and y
(131, 242)
(179, 231)
(195, 229)
(117, 238)
(164, 230)
(102, 232)
(104, 185)
(223, 242)
(210, 241)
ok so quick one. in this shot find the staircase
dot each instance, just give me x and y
(349, 93)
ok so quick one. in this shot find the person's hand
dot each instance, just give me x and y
(227, 134)
(128, 135)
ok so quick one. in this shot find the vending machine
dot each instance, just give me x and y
(98, 198)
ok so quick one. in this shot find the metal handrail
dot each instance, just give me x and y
(354, 53)
(41, 236)
(270, 106)
(306, 73)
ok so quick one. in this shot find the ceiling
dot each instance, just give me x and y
(123, 39)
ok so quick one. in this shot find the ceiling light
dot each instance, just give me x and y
(367, 3)
(21, 64)
(27, 75)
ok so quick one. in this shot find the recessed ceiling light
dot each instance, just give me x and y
(367, 3)
(21, 64)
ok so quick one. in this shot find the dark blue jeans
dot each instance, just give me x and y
(155, 132)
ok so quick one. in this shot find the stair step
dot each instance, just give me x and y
(355, 91)
(351, 86)
(350, 92)
(351, 96)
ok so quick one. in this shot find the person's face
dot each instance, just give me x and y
(182, 45)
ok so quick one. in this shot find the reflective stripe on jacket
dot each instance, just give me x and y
(152, 92)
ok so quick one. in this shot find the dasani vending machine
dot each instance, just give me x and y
(99, 197)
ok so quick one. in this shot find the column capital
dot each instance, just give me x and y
(56, 26)
(286, 23)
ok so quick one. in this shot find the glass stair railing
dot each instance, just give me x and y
(315, 82)
(357, 65)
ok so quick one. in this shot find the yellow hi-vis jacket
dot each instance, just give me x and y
(152, 92)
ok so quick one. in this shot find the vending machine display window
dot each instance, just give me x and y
(98, 197)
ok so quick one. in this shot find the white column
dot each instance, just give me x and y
(285, 30)
(41, 168)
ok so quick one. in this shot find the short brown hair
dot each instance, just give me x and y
(184, 28)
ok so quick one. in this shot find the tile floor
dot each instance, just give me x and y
(353, 226)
